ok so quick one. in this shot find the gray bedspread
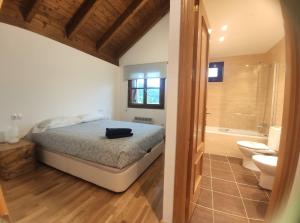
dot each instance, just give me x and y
(87, 141)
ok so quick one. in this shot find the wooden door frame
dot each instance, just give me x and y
(184, 110)
(290, 138)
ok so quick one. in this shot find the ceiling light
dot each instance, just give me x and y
(224, 28)
(221, 39)
(247, 65)
(209, 30)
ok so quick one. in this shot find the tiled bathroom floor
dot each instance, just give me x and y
(229, 193)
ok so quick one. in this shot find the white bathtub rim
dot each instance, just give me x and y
(216, 130)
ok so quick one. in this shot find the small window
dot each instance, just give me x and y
(215, 72)
(146, 93)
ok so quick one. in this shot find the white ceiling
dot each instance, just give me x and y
(254, 26)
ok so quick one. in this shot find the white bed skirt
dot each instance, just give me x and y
(117, 180)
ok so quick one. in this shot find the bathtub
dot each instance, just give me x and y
(222, 141)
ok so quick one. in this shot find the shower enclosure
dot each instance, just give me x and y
(269, 98)
(243, 106)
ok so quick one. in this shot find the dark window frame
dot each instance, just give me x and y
(220, 66)
(161, 104)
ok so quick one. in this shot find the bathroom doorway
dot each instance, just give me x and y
(245, 96)
(289, 114)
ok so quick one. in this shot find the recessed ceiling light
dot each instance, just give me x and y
(221, 39)
(209, 31)
(247, 65)
(224, 28)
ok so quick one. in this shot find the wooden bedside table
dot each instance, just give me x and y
(16, 159)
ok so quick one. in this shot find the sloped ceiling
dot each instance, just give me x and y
(103, 28)
(254, 26)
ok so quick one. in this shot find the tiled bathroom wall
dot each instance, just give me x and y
(243, 100)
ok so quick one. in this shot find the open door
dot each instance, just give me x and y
(198, 109)
(192, 109)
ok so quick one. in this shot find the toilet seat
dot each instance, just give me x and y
(249, 149)
(254, 158)
(253, 145)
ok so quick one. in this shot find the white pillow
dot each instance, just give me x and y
(91, 117)
(55, 123)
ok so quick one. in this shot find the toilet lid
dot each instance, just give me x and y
(253, 145)
(267, 160)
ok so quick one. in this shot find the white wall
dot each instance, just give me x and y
(152, 47)
(171, 111)
(42, 78)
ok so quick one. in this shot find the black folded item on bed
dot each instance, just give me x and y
(114, 133)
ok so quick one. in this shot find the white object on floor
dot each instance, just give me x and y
(249, 148)
(267, 165)
(117, 180)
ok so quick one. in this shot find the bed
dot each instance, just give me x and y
(83, 150)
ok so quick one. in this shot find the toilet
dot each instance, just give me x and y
(249, 148)
(267, 166)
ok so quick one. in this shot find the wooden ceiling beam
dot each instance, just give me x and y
(31, 9)
(81, 15)
(56, 22)
(162, 11)
(125, 16)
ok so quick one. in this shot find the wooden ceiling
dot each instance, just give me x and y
(103, 28)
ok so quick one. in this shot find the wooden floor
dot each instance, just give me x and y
(48, 195)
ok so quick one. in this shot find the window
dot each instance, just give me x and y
(215, 72)
(146, 85)
(146, 93)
